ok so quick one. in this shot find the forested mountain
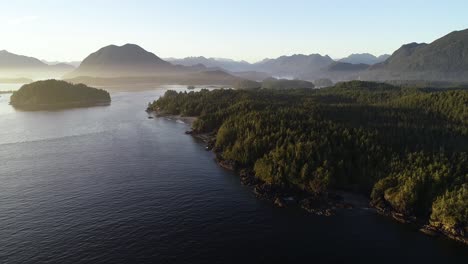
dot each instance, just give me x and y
(404, 147)
(126, 60)
(54, 93)
(443, 59)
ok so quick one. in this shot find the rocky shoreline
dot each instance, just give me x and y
(186, 119)
(325, 204)
(422, 225)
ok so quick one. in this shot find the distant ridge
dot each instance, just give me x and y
(11, 60)
(295, 66)
(75, 64)
(226, 64)
(307, 67)
(364, 58)
(444, 59)
(14, 66)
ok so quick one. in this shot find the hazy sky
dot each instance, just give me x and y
(241, 29)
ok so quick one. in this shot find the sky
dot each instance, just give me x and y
(251, 30)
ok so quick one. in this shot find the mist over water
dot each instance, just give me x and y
(109, 185)
(10, 86)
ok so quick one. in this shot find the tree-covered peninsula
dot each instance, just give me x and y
(55, 93)
(405, 148)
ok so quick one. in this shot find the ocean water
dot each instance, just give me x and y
(108, 185)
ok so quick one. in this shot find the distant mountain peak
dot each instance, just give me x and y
(412, 45)
(131, 45)
(128, 60)
(364, 58)
(444, 59)
(127, 47)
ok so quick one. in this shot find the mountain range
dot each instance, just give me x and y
(364, 58)
(226, 64)
(13, 66)
(300, 66)
(445, 59)
(131, 64)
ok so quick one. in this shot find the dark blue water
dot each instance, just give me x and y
(108, 185)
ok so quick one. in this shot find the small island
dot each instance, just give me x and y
(57, 94)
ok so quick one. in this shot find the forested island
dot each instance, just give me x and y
(405, 148)
(57, 94)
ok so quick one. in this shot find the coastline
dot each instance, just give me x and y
(422, 225)
(322, 205)
(59, 106)
(189, 120)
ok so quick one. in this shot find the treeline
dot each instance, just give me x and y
(274, 84)
(55, 92)
(405, 147)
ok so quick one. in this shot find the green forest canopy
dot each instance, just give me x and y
(405, 147)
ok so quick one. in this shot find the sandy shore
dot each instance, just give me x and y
(186, 119)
